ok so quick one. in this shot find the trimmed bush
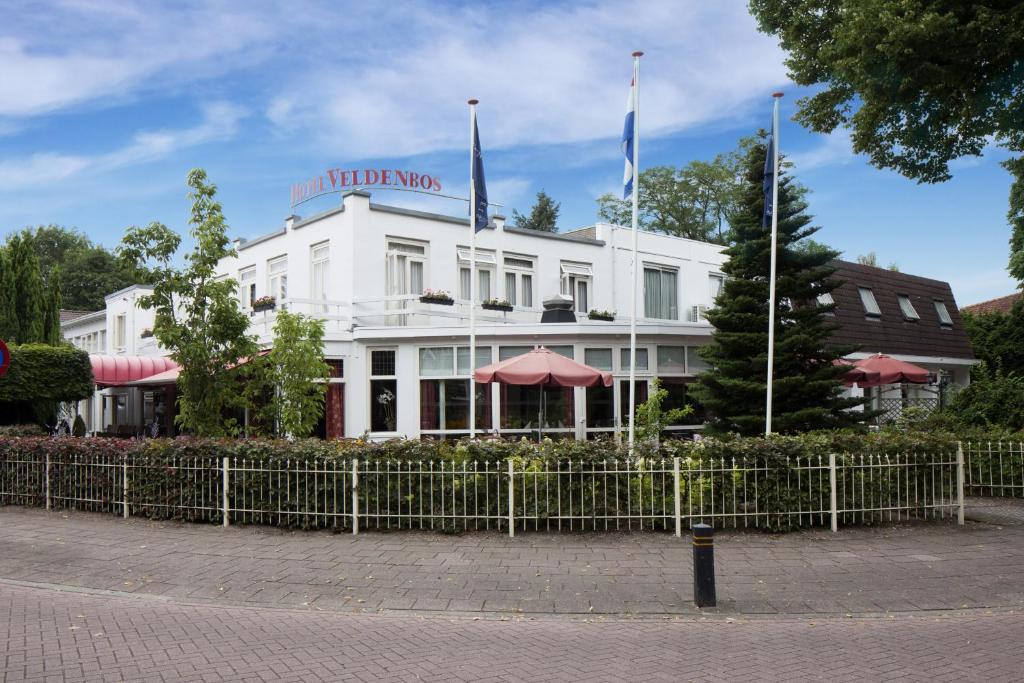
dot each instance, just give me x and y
(40, 372)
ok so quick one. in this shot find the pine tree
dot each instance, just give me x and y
(806, 385)
(8, 294)
(51, 317)
(543, 216)
(29, 293)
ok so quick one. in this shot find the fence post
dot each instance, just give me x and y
(355, 496)
(511, 500)
(46, 482)
(225, 481)
(675, 477)
(124, 484)
(833, 506)
(960, 483)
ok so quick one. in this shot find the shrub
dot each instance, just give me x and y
(47, 373)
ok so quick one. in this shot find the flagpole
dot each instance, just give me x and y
(771, 281)
(472, 269)
(636, 203)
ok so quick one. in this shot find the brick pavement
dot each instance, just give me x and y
(898, 569)
(65, 636)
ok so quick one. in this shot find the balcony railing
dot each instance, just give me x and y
(893, 408)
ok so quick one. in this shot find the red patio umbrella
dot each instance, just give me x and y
(541, 367)
(892, 371)
(856, 375)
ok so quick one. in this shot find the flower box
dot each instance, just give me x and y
(436, 297)
(264, 303)
(495, 305)
(607, 316)
(146, 334)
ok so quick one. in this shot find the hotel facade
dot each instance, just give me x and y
(400, 362)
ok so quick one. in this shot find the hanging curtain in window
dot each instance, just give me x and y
(464, 284)
(652, 293)
(510, 288)
(485, 286)
(428, 404)
(527, 283)
(669, 295)
(415, 277)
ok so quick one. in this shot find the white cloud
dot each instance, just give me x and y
(835, 149)
(220, 121)
(556, 75)
(973, 287)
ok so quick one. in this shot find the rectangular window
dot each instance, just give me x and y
(120, 331)
(867, 297)
(486, 263)
(519, 280)
(715, 284)
(247, 286)
(694, 363)
(907, 307)
(506, 352)
(437, 362)
(444, 403)
(672, 359)
(576, 282)
(320, 264)
(277, 278)
(601, 406)
(641, 359)
(825, 299)
(383, 391)
(406, 268)
(641, 397)
(599, 359)
(483, 357)
(661, 297)
(943, 313)
(521, 407)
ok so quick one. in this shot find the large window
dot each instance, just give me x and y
(319, 267)
(277, 278)
(519, 280)
(247, 286)
(406, 267)
(444, 389)
(521, 407)
(715, 283)
(661, 296)
(383, 391)
(577, 280)
(672, 359)
(486, 263)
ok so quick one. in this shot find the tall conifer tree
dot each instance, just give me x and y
(806, 386)
(51, 316)
(8, 294)
(29, 293)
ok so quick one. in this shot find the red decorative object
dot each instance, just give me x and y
(892, 371)
(5, 358)
(115, 371)
(543, 367)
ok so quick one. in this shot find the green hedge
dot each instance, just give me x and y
(779, 483)
(39, 372)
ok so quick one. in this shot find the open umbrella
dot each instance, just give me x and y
(541, 367)
(892, 371)
(856, 375)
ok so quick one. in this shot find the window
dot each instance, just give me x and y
(383, 391)
(599, 359)
(406, 268)
(576, 282)
(909, 312)
(566, 350)
(519, 281)
(694, 363)
(715, 284)
(120, 333)
(825, 299)
(486, 262)
(506, 352)
(672, 359)
(943, 313)
(641, 397)
(444, 401)
(641, 359)
(247, 286)
(319, 267)
(277, 278)
(660, 294)
(521, 408)
(867, 297)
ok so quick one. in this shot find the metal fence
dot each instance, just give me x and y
(995, 468)
(514, 495)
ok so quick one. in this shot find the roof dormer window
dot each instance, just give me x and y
(867, 297)
(943, 313)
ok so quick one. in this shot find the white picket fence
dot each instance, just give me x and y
(533, 495)
(995, 468)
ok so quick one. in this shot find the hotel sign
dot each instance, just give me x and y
(338, 179)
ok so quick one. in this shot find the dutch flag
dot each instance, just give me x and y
(627, 141)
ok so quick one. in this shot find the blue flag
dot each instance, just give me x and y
(627, 142)
(479, 184)
(769, 179)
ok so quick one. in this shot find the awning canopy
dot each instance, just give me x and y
(543, 367)
(165, 377)
(117, 371)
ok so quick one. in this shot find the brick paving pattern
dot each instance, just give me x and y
(64, 636)
(900, 569)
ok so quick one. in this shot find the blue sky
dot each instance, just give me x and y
(107, 105)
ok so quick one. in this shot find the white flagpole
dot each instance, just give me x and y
(636, 189)
(472, 268)
(771, 280)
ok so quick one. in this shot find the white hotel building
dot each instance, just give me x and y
(401, 365)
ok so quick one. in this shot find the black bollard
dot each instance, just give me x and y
(703, 565)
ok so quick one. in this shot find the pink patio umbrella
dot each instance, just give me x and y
(855, 375)
(892, 371)
(541, 367)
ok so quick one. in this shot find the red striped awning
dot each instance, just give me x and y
(115, 371)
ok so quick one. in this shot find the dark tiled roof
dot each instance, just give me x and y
(1001, 305)
(891, 333)
(67, 314)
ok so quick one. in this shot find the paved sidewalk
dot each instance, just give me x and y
(54, 635)
(898, 569)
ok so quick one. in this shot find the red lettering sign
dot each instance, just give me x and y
(336, 179)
